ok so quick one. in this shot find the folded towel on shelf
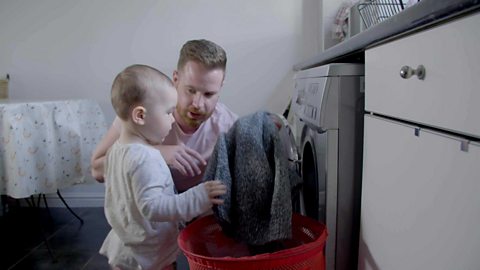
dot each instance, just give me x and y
(253, 164)
(340, 24)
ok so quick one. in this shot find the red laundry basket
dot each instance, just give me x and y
(207, 247)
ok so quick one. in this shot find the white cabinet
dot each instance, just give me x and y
(420, 200)
(449, 96)
(421, 167)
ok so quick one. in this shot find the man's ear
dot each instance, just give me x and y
(138, 115)
(175, 78)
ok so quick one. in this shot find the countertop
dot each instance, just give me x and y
(421, 15)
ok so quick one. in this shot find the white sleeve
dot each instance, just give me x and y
(154, 196)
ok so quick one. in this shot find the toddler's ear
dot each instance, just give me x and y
(138, 115)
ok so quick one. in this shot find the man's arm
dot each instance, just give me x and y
(98, 156)
(186, 160)
(180, 157)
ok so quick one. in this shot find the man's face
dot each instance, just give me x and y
(198, 91)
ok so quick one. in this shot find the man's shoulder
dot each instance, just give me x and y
(223, 116)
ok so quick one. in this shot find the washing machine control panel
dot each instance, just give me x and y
(310, 97)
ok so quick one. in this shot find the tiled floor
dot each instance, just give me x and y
(74, 246)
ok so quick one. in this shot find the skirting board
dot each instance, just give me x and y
(83, 199)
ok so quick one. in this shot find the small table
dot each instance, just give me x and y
(46, 145)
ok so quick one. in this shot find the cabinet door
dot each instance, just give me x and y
(420, 199)
(448, 97)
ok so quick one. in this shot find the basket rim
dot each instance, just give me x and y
(290, 252)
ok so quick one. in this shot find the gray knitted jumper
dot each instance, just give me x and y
(251, 161)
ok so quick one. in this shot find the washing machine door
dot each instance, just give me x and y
(313, 172)
(319, 155)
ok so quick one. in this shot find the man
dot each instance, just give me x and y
(199, 117)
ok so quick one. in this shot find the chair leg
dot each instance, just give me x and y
(32, 203)
(46, 206)
(4, 204)
(45, 240)
(38, 200)
(36, 208)
(68, 207)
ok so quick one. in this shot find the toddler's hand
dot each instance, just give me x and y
(214, 189)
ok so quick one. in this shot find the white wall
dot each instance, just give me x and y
(72, 49)
(328, 12)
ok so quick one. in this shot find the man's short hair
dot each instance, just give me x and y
(203, 51)
(130, 86)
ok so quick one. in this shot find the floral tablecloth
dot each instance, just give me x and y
(47, 145)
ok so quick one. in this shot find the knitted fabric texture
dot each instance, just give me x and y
(253, 164)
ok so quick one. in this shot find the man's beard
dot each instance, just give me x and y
(194, 122)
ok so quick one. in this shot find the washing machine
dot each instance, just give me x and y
(327, 124)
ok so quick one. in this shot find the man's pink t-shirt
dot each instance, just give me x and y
(203, 141)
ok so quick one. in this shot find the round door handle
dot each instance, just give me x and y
(407, 72)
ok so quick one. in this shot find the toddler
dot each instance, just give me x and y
(140, 202)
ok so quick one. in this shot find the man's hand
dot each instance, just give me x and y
(98, 156)
(97, 169)
(186, 160)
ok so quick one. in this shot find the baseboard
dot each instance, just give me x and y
(76, 199)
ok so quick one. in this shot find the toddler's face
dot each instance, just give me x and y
(159, 120)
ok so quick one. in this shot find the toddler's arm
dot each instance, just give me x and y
(153, 192)
(159, 206)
